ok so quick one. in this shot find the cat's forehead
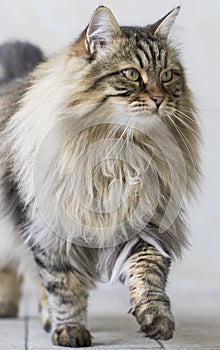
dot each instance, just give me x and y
(147, 50)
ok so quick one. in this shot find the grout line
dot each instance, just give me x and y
(26, 320)
(162, 346)
(26, 325)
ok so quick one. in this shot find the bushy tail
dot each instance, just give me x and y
(17, 59)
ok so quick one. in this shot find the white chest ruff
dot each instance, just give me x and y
(99, 190)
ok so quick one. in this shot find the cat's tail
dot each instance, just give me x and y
(18, 59)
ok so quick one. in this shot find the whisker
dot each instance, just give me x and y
(194, 132)
(185, 141)
(192, 120)
(186, 115)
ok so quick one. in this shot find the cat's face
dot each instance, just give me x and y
(142, 72)
(134, 67)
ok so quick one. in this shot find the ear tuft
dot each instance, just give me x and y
(102, 30)
(163, 26)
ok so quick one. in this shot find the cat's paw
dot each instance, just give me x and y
(156, 322)
(72, 336)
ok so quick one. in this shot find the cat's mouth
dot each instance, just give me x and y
(140, 109)
(145, 112)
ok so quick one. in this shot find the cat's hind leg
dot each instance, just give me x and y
(67, 292)
(12, 258)
(10, 291)
(67, 296)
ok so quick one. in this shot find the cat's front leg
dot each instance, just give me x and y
(67, 293)
(147, 275)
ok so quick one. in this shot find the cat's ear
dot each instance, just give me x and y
(102, 30)
(163, 26)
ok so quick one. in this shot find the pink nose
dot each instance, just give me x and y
(158, 100)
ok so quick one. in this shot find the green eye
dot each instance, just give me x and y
(131, 74)
(167, 76)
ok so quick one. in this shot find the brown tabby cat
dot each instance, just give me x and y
(99, 150)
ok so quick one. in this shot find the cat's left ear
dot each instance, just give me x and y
(101, 31)
(163, 26)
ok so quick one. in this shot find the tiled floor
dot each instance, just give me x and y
(197, 315)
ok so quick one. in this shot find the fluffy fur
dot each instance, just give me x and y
(98, 168)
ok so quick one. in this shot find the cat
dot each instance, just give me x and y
(99, 153)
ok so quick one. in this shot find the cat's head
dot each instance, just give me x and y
(134, 67)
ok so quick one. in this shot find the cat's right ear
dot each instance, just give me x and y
(163, 26)
(101, 31)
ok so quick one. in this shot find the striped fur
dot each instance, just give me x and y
(95, 170)
(147, 276)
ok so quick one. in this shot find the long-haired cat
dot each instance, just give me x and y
(99, 152)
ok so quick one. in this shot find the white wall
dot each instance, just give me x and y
(54, 23)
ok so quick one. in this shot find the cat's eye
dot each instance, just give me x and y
(131, 74)
(166, 76)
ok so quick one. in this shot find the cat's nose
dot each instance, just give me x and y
(157, 99)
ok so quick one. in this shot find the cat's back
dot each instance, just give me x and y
(10, 95)
(17, 60)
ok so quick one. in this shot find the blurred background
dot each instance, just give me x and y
(52, 24)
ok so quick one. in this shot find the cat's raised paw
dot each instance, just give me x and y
(72, 336)
(157, 323)
(161, 327)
